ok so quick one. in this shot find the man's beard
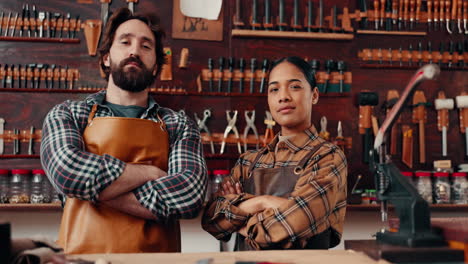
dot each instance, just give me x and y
(132, 80)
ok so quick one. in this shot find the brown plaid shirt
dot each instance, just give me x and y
(317, 203)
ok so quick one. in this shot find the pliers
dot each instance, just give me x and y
(250, 125)
(202, 126)
(231, 126)
(269, 134)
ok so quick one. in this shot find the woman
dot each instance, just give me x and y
(291, 193)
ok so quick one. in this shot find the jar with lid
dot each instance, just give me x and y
(441, 188)
(4, 186)
(19, 186)
(408, 175)
(216, 181)
(40, 191)
(424, 185)
(208, 189)
(459, 188)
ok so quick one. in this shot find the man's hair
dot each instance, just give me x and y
(122, 15)
(302, 65)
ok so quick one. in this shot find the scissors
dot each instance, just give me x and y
(202, 126)
(250, 125)
(269, 134)
(231, 126)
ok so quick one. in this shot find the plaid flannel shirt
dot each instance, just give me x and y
(317, 203)
(74, 172)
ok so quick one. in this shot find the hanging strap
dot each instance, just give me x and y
(300, 166)
(92, 113)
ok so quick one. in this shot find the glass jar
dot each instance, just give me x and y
(459, 188)
(4, 186)
(19, 186)
(217, 180)
(441, 188)
(424, 185)
(40, 192)
(208, 189)
(409, 176)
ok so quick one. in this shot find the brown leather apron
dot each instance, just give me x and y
(88, 227)
(277, 182)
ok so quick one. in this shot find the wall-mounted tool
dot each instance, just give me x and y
(267, 20)
(341, 67)
(367, 100)
(465, 16)
(443, 105)
(13, 28)
(166, 71)
(231, 73)
(392, 98)
(203, 127)
(250, 120)
(210, 68)
(131, 5)
(315, 65)
(221, 74)
(388, 15)
(363, 14)
(92, 31)
(376, 14)
(309, 23)
(329, 67)
(2, 15)
(31, 141)
(429, 15)
(319, 22)
(104, 12)
(269, 133)
(254, 18)
(281, 21)
(264, 70)
(420, 118)
(462, 105)
(231, 127)
(2, 133)
(7, 24)
(241, 76)
(323, 128)
(184, 54)
(296, 26)
(16, 141)
(238, 15)
(253, 68)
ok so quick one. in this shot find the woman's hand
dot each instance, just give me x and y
(229, 188)
(270, 201)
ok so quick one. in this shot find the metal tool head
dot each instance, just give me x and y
(269, 120)
(323, 124)
(339, 130)
(249, 116)
(231, 119)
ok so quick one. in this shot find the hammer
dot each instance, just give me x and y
(366, 102)
(462, 104)
(443, 105)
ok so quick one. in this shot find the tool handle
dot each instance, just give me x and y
(418, 9)
(422, 144)
(393, 139)
(366, 145)
(429, 10)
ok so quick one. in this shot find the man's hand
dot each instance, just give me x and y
(133, 176)
(128, 203)
(270, 201)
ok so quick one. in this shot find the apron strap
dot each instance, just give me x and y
(300, 166)
(254, 162)
(92, 113)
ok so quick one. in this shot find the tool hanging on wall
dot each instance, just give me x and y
(184, 54)
(2, 134)
(264, 76)
(367, 100)
(131, 5)
(420, 118)
(104, 12)
(323, 128)
(221, 74)
(238, 15)
(241, 76)
(92, 32)
(232, 119)
(210, 77)
(253, 67)
(443, 105)
(462, 105)
(269, 133)
(203, 127)
(250, 120)
(231, 73)
(166, 71)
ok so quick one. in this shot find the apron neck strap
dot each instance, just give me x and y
(92, 113)
(259, 155)
(300, 166)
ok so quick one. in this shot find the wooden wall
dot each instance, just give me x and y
(23, 109)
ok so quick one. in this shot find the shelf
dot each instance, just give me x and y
(31, 207)
(184, 93)
(290, 34)
(393, 33)
(19, 156)
(50, 40)
(216, 156)
(415, 66)
(434, 207)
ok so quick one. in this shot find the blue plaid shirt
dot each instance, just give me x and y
(77, 173)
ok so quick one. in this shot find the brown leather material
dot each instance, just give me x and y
(88, 228)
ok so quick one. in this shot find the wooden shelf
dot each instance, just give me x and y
(31, 207)
(290, 34)
(19, 156)
(49, 40)
(414, 66)
(393, 33)
(217, 156)
(434, 207)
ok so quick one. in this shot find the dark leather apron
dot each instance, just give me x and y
(278, 182)
(88, 227)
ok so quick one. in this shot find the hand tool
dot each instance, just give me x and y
(131, 5)
(43, 75)
(341, 67)
(400, 14)
(31, 141)
(69, 81)
(441, 52)
(2, 133)
(22, 76)
(254, 21)
(443, 105)
(334, 20)
(50, 77)
(465, 16)
(388, 15)
(329, 67)
(453, 14)
(429, 52)
(451, 50)
(41, 22)
(420, 117)
(36, 32)
(241, 78)
(253, 66)
(231, 127)
(295, 23)
(380, 55)
(418, 12)
(462, 105)
(376, 14)
(394, 11)
(16, 141)
(320, 16)
(310, 24)
(7, 24)
(460, 49)
(58, 26)
(104, 12)
(459, 15)
(356, 183)
(269, 133)
(407, 148)
(49, 25)
(23, 20)
(447, 16)
(210, 68)
(339, 139)
(389, 54)
(37, 75)
(16, 76)
(231, 72)
(264, 70)
(31, 68)
(250, 120)
(74, 24)
(66, 26)
(221, 74)
(4, 75)
(323, 128)
(429, 15)
(15, 20)
(28, 18)
(184, 55)
(392, 98)
(267, 19)
(382, 13)
(57, 76)
(281, 23)
(203, 127)
(405, 14)
(63, 77)
(238, 16)
(419, 55)
(1, 22)
(436, 14)
(363, 10)
(9, 80)
(410, 52)
(441, 14)
(412, 5)
(367, 100)
(315, 65)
